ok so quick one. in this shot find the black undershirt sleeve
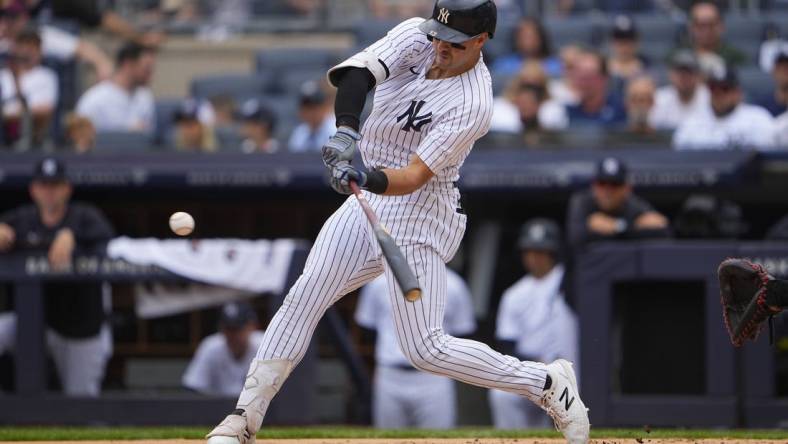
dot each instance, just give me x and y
(353, 84)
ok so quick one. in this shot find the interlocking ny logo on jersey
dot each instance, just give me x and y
(415, 121)
(443, 16)
(567, 402)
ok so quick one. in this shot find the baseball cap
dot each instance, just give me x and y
(722, 76)
(311, 93)
(189, 109)
(235, 315)
(611, 169)
(540, 234)
(254, 110)
(623, 28)
(684, 59)
(50, 169)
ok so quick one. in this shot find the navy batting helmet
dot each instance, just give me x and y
(456, 21)
(540, 234)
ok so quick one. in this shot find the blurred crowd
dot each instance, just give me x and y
(556, 82)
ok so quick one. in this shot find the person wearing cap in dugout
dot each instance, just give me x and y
(257, 128)
(610, 210)
(222, 359)
(534, 321)
(686, 94)
(317, 120)
(78, 337)
(729, 122)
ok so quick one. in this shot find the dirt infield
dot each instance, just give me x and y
(644, 440)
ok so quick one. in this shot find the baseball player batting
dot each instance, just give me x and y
(433, 99)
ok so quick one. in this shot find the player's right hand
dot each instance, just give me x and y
(7, 237)
(341, 175)
(341, 147)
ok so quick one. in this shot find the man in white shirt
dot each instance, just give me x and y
(220, 364)
(727, 123)
(534, 321)
(124, 102)
(685, 95)
(404, 396)
(27, 87)
(317, 120)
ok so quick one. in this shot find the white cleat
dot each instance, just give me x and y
(233, 430)
(562, 402)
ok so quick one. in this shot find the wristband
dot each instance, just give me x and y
(377, 182)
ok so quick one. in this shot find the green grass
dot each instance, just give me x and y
(128, 433)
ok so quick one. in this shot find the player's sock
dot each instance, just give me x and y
(777, 293)
(548, 382)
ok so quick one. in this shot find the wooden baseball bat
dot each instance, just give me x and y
(399, 266)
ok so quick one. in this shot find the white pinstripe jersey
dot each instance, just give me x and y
(439, 120)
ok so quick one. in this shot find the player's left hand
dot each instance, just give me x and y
(341, 147)
(341, 175)
(61, 250)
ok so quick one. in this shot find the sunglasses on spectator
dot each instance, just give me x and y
(453, 45)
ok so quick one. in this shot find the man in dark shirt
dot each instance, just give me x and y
(77, 336)
(609, 210)
(599, 106)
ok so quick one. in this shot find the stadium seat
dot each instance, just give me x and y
(286, 60)
(123, 141)
(656, 28)
(566, 30)
(165, 110)
(367, 32)
(755, 83)
(743, 28)
(238, 86)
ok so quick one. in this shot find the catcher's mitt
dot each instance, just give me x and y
(743, 289)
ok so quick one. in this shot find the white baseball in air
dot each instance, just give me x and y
(181, 223)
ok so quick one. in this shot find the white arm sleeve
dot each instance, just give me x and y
(459, 319)
(367, 311)
(507, 324)
(198, 374)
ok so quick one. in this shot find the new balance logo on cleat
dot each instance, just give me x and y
(568, 401)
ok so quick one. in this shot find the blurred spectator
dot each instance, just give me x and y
(124, 102)
(624, 61)
(599, 105)
(191, 134)
(564, 90)
(729, 123)
(100, 14)
(639, 100)
(257, 128)
(317, 119)
(404, 396)
(777, 103)
(220, 364)
(78, 337)
(526, 105)
(706, 30)
(686, 94)
(27, 88)
(534, 321)
(56, 43)
(80, 133)
(531, 43)
(610, 210)
(400, 9)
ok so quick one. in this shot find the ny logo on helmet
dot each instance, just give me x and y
(443, 16)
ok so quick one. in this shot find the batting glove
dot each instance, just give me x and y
(341, 147)
(341, 175)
